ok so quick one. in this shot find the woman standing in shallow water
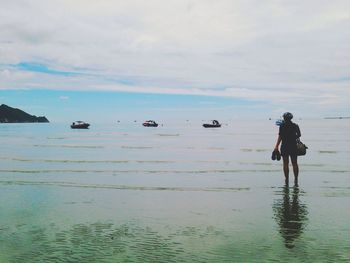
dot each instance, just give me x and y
(288, 134)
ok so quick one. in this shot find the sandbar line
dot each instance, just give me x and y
(144, 147)
(217, 171)
(135, 171)
(20, 159)
(127, 187)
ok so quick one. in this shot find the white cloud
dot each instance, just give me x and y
(275, 51)
(9, 75)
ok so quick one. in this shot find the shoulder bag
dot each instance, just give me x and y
(301, 148)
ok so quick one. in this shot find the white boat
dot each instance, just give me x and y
(80, 125)
(150, 123)
(214, 124)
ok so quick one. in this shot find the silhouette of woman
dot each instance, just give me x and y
(288, 134)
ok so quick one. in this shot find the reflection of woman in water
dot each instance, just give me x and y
(290, 216)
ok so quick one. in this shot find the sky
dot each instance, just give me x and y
(175, 58)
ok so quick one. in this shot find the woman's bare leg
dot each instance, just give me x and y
(295, 168)
(286, 168)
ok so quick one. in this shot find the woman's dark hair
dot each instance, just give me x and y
(287, 116)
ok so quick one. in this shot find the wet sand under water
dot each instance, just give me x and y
(192, 202)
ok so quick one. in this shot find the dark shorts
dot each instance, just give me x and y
(289, 150)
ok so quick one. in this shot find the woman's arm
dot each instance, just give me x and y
(298, 133)
(279, 139)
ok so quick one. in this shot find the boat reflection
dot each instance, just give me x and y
(290, 214)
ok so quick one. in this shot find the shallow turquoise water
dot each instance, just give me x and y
(176, 193)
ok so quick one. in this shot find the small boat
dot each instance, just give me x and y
(150, 123)
(80, 125)
(214, 124)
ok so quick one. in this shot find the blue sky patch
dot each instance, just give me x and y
(42, 68)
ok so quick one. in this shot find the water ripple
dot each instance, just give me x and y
(126, 187)
(96, 242)
(68, 146)
(136, 171)
(18, 159)
(216, 171)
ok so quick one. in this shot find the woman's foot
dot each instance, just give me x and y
(296, 181)
(286, 181)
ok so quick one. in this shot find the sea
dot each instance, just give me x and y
(121, 192)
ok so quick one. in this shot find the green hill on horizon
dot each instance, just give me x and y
(13, 115)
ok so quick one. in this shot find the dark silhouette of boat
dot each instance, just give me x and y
(214, 124)
(150, 123)
(80, 125)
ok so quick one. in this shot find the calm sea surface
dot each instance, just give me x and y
(177, 193)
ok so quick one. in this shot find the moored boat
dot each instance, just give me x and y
(80, 125)
(214, 124)
(150, 123)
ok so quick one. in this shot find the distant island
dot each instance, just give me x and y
(13, 115)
